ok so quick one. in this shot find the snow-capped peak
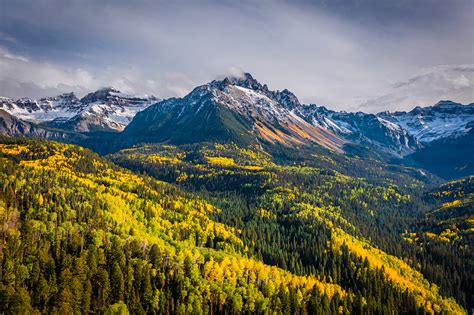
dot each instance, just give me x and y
(285, 98)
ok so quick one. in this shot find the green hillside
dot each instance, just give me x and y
(305, 218)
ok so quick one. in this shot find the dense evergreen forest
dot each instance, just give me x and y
(217, 228)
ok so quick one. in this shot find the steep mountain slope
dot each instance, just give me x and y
(234, 109)
(12, 126)
(108, 109)
(105, 109)
(446, 133)
(365, 129)
(399, 132)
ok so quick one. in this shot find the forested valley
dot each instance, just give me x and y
(219, 228)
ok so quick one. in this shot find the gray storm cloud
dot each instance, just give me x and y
(343, 54)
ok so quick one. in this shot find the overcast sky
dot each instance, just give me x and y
(367, 55)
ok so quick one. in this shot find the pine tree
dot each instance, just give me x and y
(117, 284)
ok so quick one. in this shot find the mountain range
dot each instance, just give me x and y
(244, 111)
(106, 109)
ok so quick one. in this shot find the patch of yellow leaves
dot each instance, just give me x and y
(13, 149)
(221, 161)
(452, 203)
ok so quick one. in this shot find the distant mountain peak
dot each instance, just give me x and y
(68, 95)
(246, 81)
(99, 95)
(450, 106)
(69, 99)
(446, 103)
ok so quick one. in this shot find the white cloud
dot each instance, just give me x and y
(236, 72)
(430, 85)
(178, 84)
(15, 57)
(20, 76)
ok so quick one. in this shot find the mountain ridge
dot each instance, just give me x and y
(240, 109)
(401, 132)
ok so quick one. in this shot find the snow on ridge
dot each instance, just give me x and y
(390, 125)
(339, 127)
(432, 126)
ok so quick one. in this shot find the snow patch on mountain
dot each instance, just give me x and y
(390, 125)
(63, 106)
(427, 124)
